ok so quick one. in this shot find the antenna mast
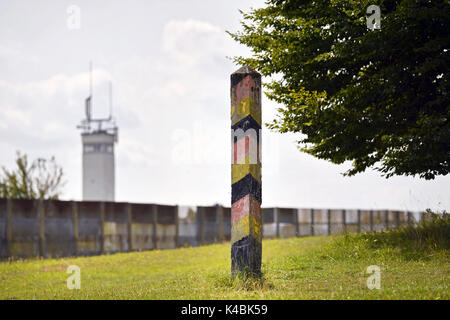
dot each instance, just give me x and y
(110, 100)
(90, 79)
(109, 123)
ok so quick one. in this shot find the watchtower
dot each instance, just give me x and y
(98, 137)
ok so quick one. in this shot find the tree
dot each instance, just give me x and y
(40, 179)
(377, 98)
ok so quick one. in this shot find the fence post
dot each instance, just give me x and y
(409, 218)
(397, 219)
(329, 221)
(41, 214)
(9, 230)
(358, 213)
(371, 220)
(177, 227)
(246, 235)
(312, 222)
(102, 227)
(344, 221)
(199, 226)
(297, 228)
(386, 219)
(219, 209)
(75, 228)
(154, 226)
(276, 219)
(129, 227)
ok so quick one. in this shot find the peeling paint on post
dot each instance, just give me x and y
(246, 220)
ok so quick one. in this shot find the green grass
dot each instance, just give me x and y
(414, 265)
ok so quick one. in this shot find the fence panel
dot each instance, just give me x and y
(269, 223)
(336, 221)
(287, 220)
(320, 222)
(187, 224)
(166, 226)
(89, 228)
(378, 220)
(142, 217)
(115, 227)
(351, 221)
(365, 220)
(211, 225)
(25, 228)
(226, 213)
(304, 222)
(59, 229)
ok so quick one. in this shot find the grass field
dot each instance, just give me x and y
(414, 265)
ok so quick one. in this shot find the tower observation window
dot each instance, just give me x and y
(98, 148)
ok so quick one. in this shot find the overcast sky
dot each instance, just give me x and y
(168, 64)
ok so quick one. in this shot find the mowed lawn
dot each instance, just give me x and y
(414, 264)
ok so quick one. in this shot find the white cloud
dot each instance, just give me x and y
(191, 42)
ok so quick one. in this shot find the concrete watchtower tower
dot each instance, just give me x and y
(98, 137)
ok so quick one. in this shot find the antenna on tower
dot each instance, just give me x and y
(88, 101)
(110, 100)
(90, 78)
(106, 125)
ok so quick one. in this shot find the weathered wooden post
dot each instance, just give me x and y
(246, 231)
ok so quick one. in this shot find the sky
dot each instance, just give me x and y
(170, 69)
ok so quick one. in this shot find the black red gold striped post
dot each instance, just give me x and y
(246, 230)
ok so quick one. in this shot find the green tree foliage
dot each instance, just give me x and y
(377, 98)
(41, 179)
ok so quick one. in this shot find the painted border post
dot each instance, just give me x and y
(246, 217)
